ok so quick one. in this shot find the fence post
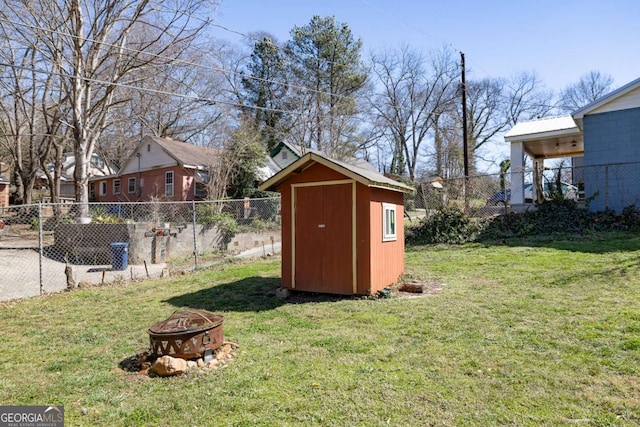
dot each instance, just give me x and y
(195, 235)
(40, 244)
(606, 186)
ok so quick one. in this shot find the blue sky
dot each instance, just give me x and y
(560, 40)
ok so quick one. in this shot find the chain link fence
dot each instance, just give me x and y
(48, 248)
(611, 186)
(480, 195)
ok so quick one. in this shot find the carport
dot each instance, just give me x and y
(541, 139)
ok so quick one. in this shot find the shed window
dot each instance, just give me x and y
(168, 184)
(116, 186)
(388, 222)
(103, 188)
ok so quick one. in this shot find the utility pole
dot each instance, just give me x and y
(465, 142)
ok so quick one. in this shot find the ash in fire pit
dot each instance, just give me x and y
(187, 334)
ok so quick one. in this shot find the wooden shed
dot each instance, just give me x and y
(342, 226)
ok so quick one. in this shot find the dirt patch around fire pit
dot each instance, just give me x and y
(148, 364)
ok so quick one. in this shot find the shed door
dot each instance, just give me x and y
(323, 238)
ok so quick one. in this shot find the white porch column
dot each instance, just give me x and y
(517, 173)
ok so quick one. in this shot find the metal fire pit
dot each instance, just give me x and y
(187, 334)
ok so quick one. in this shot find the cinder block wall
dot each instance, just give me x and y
(91, 243)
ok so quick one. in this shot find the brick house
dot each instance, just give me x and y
(160, 169)
(4, 191)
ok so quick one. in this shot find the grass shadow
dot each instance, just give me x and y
(594, 243)
(248, 294)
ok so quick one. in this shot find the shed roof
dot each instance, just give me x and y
(3, 179)
(357, 169)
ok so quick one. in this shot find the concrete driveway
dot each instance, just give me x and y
(20, 272)
(20, 269)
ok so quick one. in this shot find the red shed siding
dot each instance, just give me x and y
(324, 253)
(363, 246)
(287, 262)
(388, 264)
(316, 175)
(377, 264)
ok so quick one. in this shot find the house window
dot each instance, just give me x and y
(131, 185)
(388, 222)
(148, 148)
(284, 155)
(201, 190)
(103, 188)
(116, 186)
(168, 184)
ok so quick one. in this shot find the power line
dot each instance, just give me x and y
(206, 101)
(181, 61)
(411, 27)
(128, 85)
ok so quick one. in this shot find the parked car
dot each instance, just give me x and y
(569, 192)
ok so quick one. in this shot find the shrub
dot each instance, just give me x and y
(447, 225)
(211, 216)
(450, 225)
(559, 216)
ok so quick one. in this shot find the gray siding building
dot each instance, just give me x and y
(603, 140)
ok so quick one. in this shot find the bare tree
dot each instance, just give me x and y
(590, 87)
(233, 169)
(526, 98)
(18, 103)
(414, 92)
(95, 46)
(161, 103)
(32, 107)
(494, 104)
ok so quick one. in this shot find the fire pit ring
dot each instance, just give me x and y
(187, 334)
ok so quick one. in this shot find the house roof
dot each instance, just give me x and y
(548, 138)
(357, 169)
(268, 170)
(187, 155)
(295, 149)
(545, 127)
(579, 114)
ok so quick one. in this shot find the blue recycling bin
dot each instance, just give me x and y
(119, 255)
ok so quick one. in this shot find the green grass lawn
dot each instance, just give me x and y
(537, 332)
